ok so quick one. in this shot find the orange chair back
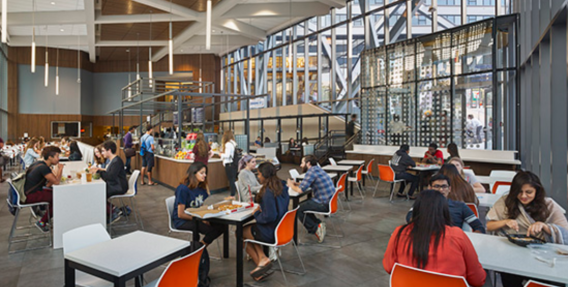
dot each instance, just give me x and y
(333, 202)
(537, 284)
(385, 172)
(284, 232)
(341, 183)
(405, 276)
(370, 166)
(497, 184)
(183, 271)
(473, 208)
(360, 173)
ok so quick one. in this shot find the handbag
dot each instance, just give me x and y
(129, 152)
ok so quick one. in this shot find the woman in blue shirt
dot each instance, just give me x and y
(191, 193)
(273, 198)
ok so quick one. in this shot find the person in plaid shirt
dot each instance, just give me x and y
(322, 190)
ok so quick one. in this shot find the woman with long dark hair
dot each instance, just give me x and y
(191, 193)
(452, 149)
(273, 202)
(201, 149)
(527, 210)
(461, 189)
(430, 242)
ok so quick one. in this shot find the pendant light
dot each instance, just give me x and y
(171, 45)
(46, 74)
(291, 41)
(129, 79)
(150, 76)
(208, 27)
(350, 31)
(57, 73)
(78, 59)
(33, 38)
(4, 21)
(137, 56)
(200, 79)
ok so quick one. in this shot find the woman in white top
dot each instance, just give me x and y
(229, 146)
(31, 153)
(469, 177)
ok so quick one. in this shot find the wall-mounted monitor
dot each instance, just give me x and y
(65, 129)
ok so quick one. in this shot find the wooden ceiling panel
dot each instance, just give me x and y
(160, 31)
(126, 7)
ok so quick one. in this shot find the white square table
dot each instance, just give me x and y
(421, 169)
(238, 219)
(76, 205)
(123, 258)
(351, 162)
(498, 254)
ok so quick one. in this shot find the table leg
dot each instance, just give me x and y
(195, 235)
(295, 203)
(139, 280)
(120, 282)
(69, 275)
(239, 255)
(420, 179)
(226, 242)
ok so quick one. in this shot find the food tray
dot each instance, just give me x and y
(524, 240)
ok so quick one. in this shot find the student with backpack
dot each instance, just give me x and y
(147, 153)
(230, 157)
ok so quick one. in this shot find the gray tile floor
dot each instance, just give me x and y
(358, 263)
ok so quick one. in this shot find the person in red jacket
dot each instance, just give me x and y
(431, 242)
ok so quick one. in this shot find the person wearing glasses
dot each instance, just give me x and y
(459, 211)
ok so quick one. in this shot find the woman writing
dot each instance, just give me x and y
(191, 193)
(229, 146)
(461, 190)
(273, 198)
(430, 242)
(469, 177)
(31, 153)
(527, 210)
(201, 149)
(247, 179)
(74, 152)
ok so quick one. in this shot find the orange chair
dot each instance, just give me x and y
(332, 209)
(405, 276)
(499, 183)
(283, 234)
(340, 187)
(473, 208)
(386, 174)
(181, 272)
(537, 284)
(368, 172)
(358, 180)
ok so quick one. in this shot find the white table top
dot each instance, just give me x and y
(127, 253)
(426, 168)
(498, 254)
(303, 175)
(488, 199)
(351, 162)
(237, 216)
(294, 194)
(343, 168)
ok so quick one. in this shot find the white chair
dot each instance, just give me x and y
(500, 175)
(82, 237)
(170, 201)
(357, 180)
(294, 173)
(130, 194)
(503, 189)
(13, 201)
(368, 172)
(332, 161)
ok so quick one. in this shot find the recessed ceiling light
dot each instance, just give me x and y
(61, 30)
(52, 3)
(213, 31)
(181, 50)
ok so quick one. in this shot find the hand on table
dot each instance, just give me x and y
(93, 170)
(536, 228)
(257, 208)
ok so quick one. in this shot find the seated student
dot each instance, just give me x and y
(64, 146)
(273, 199)
(40, 178)
(430, 242)
(191, 193)
(292, 144)
(305, 142)
(527, 210)
(469, 177)
(247, 178)
(114, 175)
(74, 152)
(99, 160)
(400, 162)
(433, 155)
(267, 140)
(452, 149)
(258, 142)
(31, 152)
(461, 190)
(459, 211)
(322, 190)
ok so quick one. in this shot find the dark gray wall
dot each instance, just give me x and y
(87, 93)
(35, 98)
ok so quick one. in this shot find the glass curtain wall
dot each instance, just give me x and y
(443, 88)
(4, 92)
(318, 60)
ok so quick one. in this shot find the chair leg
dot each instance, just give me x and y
(376, 187)
(14, 225)
(392, 191)
(282, 269)
(300, 257)
(137, 216)
(220, 254)
(360, 190)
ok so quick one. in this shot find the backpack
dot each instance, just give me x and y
(18, 182)
(143, 145)
(204, 265)
(237, 155)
